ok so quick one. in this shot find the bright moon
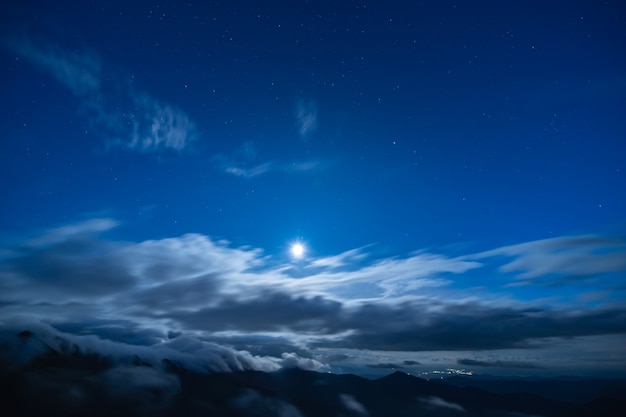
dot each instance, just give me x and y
(297, 250)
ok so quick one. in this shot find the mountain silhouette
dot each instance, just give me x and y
(52, 376)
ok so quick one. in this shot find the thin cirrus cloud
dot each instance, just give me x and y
(239, 169)
(196, 286)
(498, 364)
(243, 163)
(250, 172)
(80, 72)
(575, 257)
(125, 117)
(134, 120)
(306, 118)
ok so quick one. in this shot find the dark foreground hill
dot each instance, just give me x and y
(572, 390)
(62, 381)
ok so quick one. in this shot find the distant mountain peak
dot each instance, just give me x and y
(399, 376)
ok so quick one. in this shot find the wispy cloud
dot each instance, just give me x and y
(126, 118)
(353, 405)
(251, 402)
(67, 232)
(387, 365)
(80, 72)
(250, 172)
(243, 171)
(159, 126)
(392, 276)
(437, 402)
(570, 256)
(303, 166)
(498, 364)
(243, 163)
(306, 118)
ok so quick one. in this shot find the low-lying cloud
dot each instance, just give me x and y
(437, 402)
(352, 404)
(84, 372)
(29, 340)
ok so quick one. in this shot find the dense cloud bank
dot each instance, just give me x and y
(25, 343)
(79, 375)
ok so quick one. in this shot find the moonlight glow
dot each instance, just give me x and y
(297, 250)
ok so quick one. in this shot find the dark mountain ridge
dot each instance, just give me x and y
(58, 378)
(579, 390)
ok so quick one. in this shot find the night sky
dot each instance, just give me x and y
(453, 171)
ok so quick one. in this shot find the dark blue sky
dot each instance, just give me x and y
(449, 160)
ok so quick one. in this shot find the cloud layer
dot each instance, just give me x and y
(212, 292)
